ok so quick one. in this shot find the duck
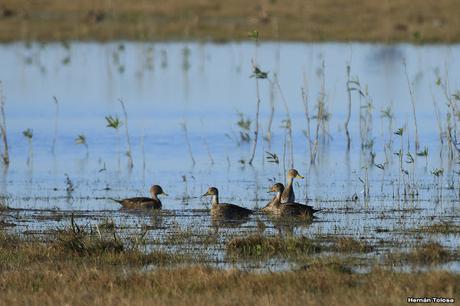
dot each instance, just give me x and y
(288, 195)
(287, 209)
(275, 202)
(144, 202)
(225, 210)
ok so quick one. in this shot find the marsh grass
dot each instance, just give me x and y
(348, 244)
(258, 245)
(439, 228)
(188, 237)
(35, 272)
(426, 254)
(84, 244)
(80, 241)
(4, 206)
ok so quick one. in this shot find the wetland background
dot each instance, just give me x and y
(99, 107)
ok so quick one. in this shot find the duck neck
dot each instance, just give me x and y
(215, 199)
(155, 197)
(277, 199)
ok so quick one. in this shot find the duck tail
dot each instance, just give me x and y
(317, 210)
(118, 201)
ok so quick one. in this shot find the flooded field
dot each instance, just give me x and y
(191, 113)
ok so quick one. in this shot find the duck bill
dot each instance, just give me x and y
(205, 194)
(164, 193)
(300, 176)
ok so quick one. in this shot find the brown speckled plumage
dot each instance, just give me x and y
(144, 202)
(225, 210)
(288, 195)
(287, 209)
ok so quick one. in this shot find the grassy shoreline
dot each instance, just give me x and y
(292, 20)
(77, 267)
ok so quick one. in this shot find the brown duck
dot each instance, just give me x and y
(287, 209)
(144, 202)
(288, 195)
(225, 210)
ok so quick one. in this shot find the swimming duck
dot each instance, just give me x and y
(288, 193)
(144, 202)
(275, 203)
(225, 210)
(287, 209)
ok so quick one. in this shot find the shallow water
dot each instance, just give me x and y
(203, 86)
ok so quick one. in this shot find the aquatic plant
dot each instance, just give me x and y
(115, 123)
(206, 145)
(164, 59)
(28, 134)
(81, 139)
(287, 125)
(401, 181)
(424, 153)
(244, 125)
(351, 245)
(258, 245)
(272, 158)
(186, 59)
(5, 154)
(268, 135)
(189, 145)
(383, 167)
(304, 93)
(348, 116)
(257, 74)
(69, 185)
(365, 182)
(78, 241)
(439, 228)
(56, 122)
(322, 115)
(428, 253)
(412, 100)
(451, 115)
(438, 174)
(128, 141)
(254, 34)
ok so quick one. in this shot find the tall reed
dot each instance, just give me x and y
(128, 141)
(348, 116)
(56, 122)
(189, 146)
(412, 100)
(5, 154)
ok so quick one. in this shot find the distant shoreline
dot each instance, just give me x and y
(436, 21)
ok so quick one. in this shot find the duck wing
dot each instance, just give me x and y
(231, 211)
(139, 202)
(297, 209)
(271, 206)
(237, 208)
